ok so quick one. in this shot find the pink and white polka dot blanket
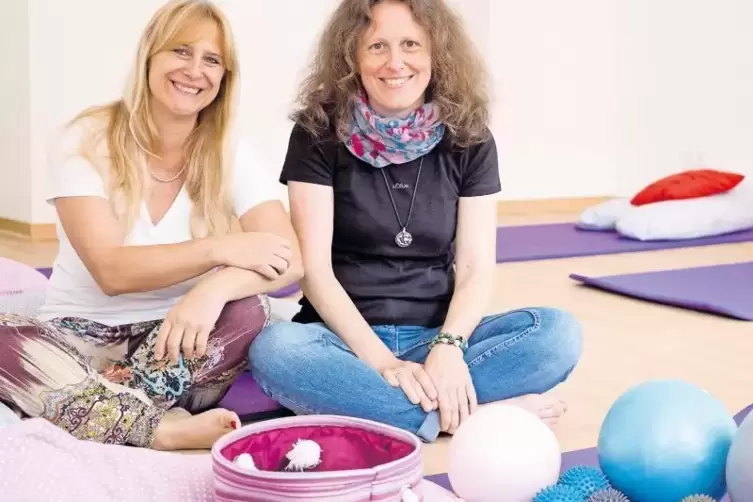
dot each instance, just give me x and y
(39, 461)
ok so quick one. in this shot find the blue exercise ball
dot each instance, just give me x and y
(740, 463)
(664, 440)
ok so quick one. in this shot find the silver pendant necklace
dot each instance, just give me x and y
(403, 238)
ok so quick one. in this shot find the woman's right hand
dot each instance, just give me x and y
(413, 379)
(265, 253)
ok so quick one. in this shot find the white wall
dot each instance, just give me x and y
(15, 175)
(685, 87)
(275, 41)
(556, 118)
(593, 97)
(600, 97)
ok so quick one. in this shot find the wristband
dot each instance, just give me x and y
(449, 339)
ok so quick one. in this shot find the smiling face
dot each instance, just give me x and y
(186, 78)
(394, 60)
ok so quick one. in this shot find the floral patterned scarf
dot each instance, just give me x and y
(382, 141)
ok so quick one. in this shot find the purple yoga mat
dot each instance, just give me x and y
(587, 456)
(564, 240)
(281, 293)
(248, 401)
(718, 289)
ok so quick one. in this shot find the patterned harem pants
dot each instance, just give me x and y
(101, 383)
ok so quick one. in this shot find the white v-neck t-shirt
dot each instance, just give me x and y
(72, 290)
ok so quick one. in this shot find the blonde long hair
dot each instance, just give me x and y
(124, 134)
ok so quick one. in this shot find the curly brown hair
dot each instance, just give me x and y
(458, 84)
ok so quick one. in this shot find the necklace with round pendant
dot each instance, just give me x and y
(403, 238)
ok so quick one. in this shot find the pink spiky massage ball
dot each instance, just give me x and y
(503, 453)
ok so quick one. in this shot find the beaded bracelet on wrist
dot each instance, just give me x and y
(448, 339)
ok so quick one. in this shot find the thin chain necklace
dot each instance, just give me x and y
(403, 238)
(168, 180)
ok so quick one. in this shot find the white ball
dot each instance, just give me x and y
(245, 461)
(503, 453)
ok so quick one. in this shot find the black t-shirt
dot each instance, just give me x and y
(390, 284)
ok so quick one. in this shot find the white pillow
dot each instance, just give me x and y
(708, 216)
(603, 216)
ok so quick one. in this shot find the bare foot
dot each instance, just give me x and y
(174, 413)
(183, 431)
(549, 408)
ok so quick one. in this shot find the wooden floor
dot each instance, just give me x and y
(626, 341)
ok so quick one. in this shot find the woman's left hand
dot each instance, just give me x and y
(456, 393)
(188, 324)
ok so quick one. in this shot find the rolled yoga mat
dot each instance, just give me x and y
(723, 290)
(587, 456)
(564, 240)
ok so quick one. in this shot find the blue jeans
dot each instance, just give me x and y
(310, 370)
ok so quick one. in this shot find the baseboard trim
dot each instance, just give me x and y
(535, 207)
(34, 231)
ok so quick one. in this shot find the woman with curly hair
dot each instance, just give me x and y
(392, 176)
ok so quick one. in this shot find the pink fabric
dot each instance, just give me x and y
(343, 448)
(40, 461)
(384, 482)
(17, 278)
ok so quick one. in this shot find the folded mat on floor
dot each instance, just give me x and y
(718, 289)
(587, 456)
(564, 240)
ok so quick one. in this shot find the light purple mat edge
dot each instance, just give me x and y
(718, 289)
(587, 456)
(565, 240)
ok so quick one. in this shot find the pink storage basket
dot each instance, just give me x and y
(361, 461)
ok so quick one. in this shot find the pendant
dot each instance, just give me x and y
(403, 239)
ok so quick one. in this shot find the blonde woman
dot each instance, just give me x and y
(393, 176)
(170, 235)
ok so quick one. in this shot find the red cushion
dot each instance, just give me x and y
(687, 185)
